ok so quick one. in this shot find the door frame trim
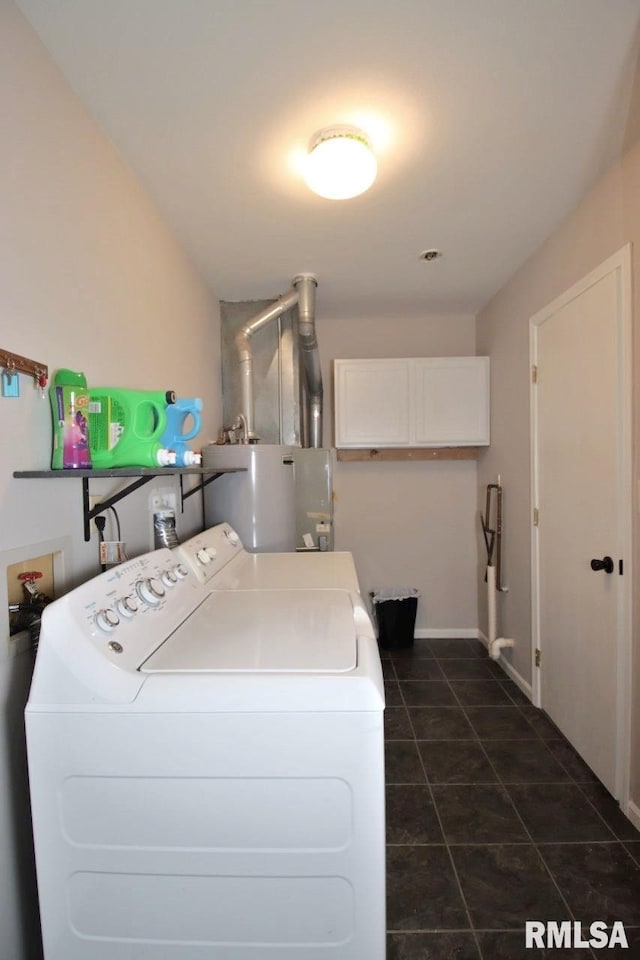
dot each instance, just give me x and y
(620, 264)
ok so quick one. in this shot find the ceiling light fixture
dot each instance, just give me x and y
(340, 163)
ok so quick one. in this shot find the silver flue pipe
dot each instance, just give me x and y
(303, 294)
(306, 285)
(245, 354)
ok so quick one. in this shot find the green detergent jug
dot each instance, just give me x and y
(125, 427)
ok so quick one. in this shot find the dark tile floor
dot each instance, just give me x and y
(492, 817)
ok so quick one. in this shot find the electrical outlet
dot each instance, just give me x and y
(93, 502)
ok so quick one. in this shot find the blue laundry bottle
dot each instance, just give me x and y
(175, 437)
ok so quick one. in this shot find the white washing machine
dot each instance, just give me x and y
(206, 762)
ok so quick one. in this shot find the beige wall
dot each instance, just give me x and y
(606, 219)
(90, 279)
(407, 524)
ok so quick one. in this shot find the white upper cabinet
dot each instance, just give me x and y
(451, 401)
(418, 401)
(373, 400)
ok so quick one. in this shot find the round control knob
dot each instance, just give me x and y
(169, 578)
(127, 606)
(180, 571)
(213, 553)
(203, 556)
(107, 620)
(150, 591)
(232, 537)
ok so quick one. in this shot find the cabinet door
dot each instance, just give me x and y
(372, 406)
(451, 401)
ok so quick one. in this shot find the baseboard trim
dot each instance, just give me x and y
(516, 677)
(633, 809)
(474, 633)
(510, 670)
(633, 813)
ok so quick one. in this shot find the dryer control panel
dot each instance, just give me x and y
(208, 552)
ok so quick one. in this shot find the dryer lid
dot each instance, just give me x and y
(263, 631)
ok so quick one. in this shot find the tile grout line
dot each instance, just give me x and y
(578, 783)
(502, 843)
(532, 842)
(504, 783)
(592, 804)
(437, 813)
(636, 859)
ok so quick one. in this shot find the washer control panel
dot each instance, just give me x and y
(122, 616)
(208, 552)
(132, 589)
(128, 611)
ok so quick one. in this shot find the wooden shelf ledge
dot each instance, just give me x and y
(408, 453)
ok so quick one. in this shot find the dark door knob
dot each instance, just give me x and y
(605, 564)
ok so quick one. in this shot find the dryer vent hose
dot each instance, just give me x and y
(164, 529)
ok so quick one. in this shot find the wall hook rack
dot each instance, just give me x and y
(14, 363)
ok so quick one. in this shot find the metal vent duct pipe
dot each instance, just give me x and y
(302, 295)
(306, 287)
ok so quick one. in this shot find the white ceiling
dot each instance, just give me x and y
(490, 118)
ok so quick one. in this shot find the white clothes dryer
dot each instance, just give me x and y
(313, 570)
(206, 762)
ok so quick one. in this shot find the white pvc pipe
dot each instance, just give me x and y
(495, 644)
(491, 604)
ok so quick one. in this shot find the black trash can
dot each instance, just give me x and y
(395, 611)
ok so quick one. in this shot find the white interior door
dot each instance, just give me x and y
(580, 462)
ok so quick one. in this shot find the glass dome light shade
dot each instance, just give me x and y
(340, 163)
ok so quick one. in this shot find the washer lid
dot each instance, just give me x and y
(263, 631)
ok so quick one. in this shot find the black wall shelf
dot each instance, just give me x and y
(138, 476)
